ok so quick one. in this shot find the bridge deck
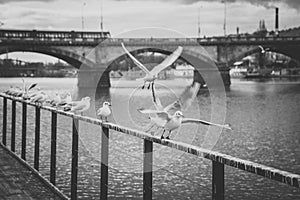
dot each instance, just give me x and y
(18, 182)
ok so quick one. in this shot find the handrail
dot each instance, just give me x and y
(218, 159)
(93, 37)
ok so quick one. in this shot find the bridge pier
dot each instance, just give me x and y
(224, 72)
(91, 79)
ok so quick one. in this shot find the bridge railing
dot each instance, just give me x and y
(219, 160)
(93, 38)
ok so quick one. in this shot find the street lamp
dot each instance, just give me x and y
(82, 17)
(225, 13)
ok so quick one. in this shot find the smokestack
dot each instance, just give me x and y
(276, 20)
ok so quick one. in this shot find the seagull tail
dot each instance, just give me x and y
(227, 126)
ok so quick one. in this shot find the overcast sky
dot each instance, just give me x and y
(125, 15)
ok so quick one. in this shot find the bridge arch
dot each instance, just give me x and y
(107, 52)
(72, 58)
(269, 48)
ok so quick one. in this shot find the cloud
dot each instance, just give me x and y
(266, 3)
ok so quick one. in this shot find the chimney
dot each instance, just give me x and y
(276, 20)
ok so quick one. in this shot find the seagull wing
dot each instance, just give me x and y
(79, 106)
(156, 100)
(161, 114)
(167, 62)
(31, 86)
(185, 99)
(199, 121)
(138, 63)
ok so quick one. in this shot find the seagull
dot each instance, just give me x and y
(40, 98)
(56, 100)
(66, 100)
(104, 111)
(163, 117)
(26, 89)
(152, 75)
(81, 106)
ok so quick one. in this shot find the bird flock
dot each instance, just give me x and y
(168, 118)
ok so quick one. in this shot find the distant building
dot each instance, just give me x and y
(184, 70)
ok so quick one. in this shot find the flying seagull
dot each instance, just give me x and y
(171, 117)
(152, 75)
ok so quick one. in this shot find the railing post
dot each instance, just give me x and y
(24, 117)
(13, 126)
(104, 163)
(37, 138)
(217, 181)
(147, 175)
(4, 125)
(53, 147)
(74, 170)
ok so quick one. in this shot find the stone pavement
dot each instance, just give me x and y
(17, 182)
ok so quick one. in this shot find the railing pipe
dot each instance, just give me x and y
(53, 147)
(147, 174)
(4, 125)
(24, 122)
(104, 163)
(13, 126)
(37, 138)
(217, 181)
(74, 170)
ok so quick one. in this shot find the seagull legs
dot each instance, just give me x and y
(162, 136)
(144, 85)
(168, 137)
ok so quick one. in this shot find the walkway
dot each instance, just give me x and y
(18, 182)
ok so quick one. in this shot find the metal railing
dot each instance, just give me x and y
(219, 160)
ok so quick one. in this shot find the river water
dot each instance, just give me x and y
(264, 114)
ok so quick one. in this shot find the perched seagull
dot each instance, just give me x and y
(152, 75)
(104, 111)
(66, 100)
(40, 98)
(26, 89)
(33, 93)
(81, 106)
(163, 117)
(55, 101)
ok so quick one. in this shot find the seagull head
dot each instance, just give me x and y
(178, 114)
(86, 98)
(106, 104)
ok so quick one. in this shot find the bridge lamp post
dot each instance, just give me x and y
(82, 17)
(225, 13)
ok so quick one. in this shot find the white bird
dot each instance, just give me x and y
(162, 117)
(55, 101)
(26, 89)
(40, 98)
(65, 100)
(152, 75)
(81, 106)
(104, 111)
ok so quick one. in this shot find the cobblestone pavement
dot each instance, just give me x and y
(17, 182)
